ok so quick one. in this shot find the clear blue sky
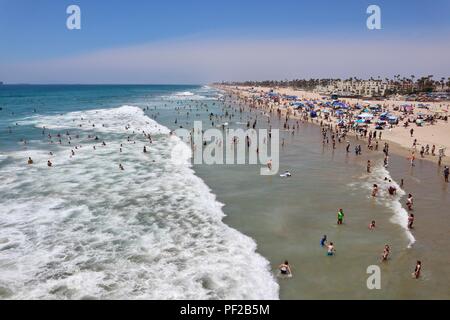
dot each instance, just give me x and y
(34, 30)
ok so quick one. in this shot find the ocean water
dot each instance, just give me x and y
(84, 229)
(166, 229)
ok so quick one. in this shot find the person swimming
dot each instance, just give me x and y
(49, 163)
(286, 174)
(121, 167)
(285, 268)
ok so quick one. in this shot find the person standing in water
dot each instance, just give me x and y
(446, 173)
(30, 161)
(410, 202)
(372, 225)
(340, 216)
(386, 252)
(269, 164)
(410, 221)
(285, 268)
(374, 190)
(368, 166)
(323, 241)
(330, 249)
(417, 270)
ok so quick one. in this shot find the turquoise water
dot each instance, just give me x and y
(84, 229)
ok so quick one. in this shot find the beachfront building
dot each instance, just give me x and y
(355, 87)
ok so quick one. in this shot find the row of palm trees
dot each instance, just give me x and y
(398, 84)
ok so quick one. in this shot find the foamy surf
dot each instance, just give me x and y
(84, 229)
(188, 95)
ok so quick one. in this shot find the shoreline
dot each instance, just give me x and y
(281, 238)
(397, 146)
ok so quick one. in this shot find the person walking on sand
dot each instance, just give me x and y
(411, 132)
(340, 216)
(417, 270)
(446, 173)
(368, 166)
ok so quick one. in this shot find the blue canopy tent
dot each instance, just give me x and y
(384, 116)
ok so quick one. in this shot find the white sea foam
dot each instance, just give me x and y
(184, 94)
(400, 217)
(188, 95)
(85, 229)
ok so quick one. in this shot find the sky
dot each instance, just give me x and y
(203, 41)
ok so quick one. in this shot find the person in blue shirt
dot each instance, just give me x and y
(323, 241)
